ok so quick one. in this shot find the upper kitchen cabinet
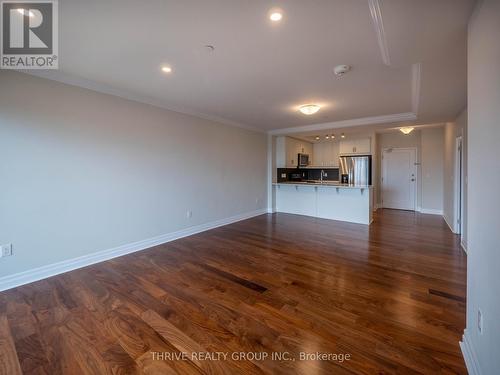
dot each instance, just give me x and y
(287, 150)
(355, 146)
(326, 154)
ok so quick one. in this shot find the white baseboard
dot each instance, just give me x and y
(431, 211)
(469, 354)
(463, 243)
(26, 277)
(447, 221)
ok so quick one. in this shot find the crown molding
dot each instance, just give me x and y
(416, 69)
(416, 74)
(376, 15)
(71, 80)
(386, 119)
(109, 90)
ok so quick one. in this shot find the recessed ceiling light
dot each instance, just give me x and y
(166, 69)
(309, 109)
(276, 16)
(406, 130)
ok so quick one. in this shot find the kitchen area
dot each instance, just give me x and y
(324, 176)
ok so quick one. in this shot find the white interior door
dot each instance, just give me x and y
(399, 178)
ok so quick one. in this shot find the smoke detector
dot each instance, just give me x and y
(209, 48)
(340, 70)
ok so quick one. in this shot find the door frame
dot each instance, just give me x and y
(458, 194)
(417, 189)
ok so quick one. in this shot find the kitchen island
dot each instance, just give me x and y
(327, 200)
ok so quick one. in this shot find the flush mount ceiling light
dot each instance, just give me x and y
(342, 135)
(333, 136)
(275, 15)
(327, 136)
(317, 137)
(166, 69)
(309, 109)
(406, 130)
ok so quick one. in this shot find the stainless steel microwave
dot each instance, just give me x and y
(303, 160)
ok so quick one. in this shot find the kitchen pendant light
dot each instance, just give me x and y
(406, 130)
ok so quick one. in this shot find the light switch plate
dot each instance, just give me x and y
(6, 250)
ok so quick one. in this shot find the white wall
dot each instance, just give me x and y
(461, 122)
(452, 130)
(483, 259)
(83, 172)
(432, 155)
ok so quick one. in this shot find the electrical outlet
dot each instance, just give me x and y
(6, 250)
(189, 214)
(256, 200)
(480, 321)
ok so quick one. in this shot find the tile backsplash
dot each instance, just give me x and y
(284, 174)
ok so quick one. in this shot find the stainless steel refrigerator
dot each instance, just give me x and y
(356, 170)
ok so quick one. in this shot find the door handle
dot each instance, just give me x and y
(413, 179)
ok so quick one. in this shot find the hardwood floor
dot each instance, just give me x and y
(392, 296)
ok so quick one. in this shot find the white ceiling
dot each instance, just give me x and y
(261, 71)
